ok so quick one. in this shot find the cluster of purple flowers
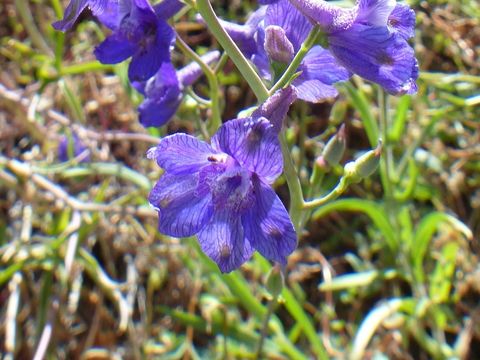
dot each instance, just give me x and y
(369, 39)
(222, 192)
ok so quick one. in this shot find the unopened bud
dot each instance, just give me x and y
(365, 165)
(274, 283)
(277, 45)
(335, 148)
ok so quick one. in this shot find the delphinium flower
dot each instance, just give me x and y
(70, 147)
(164, 91)
(278, 38)
(370, 39)
(140, 31)
(141, 35)
(222, 191)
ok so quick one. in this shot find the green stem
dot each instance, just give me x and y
(297, 60)
(294, 186)
(212, 83)
(271, 307)
(261, 92)
(254, 81)
(85, 67)
(31, 28)
(332, 195)
(385, 164)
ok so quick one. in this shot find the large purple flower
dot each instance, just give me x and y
(370, 39)
(222, 192)
(140, 34)
(278, 38)
(163, 92)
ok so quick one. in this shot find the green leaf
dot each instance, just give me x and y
(372, 209)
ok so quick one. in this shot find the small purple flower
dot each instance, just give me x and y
(163, 92)
(107, 11)
(370, 40)
(222, 192)
(70, 147)
(278, 38)
(141, 35)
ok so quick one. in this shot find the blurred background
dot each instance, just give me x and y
(389, 271)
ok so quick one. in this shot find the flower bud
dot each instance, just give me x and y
(335, 148)
(277, 45)
(276, 107)
(365, 165)
(275, 281)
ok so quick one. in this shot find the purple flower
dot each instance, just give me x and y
(76, 7)
(222, 192)
(107, 11)
(370, 40)
(163, 92)
(70, 147)
(141, 35)
(278, 38)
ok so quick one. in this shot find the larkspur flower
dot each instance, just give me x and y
(370, 39)
(107, 11)
(222, 192)
(164, 91)
(141, 35)
(278, 37)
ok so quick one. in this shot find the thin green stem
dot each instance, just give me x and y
(31, 27)
(297, 60)
(263, 334)
(254, 81)
(85, 67)
(294, 186)
(385, 165)
(212, 83)
(332, 195)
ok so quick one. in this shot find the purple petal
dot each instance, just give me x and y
(402, 20)
(314, 90)
(292, 21)
(377, 55)
(277, 45)
(275, 108)
(254, 144)
(329, 17)
(114, 49)
(242, 35)
(374, 12)
(168, 8)
(146, 62)
(182, 154)
(319, 71)
(266, 2)
(162, 97)
(260, 57)
(110, 16)
(181, 213)
(224, 242)
(321, 65)
(72, 12)
(268, 226)
(190, 73)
